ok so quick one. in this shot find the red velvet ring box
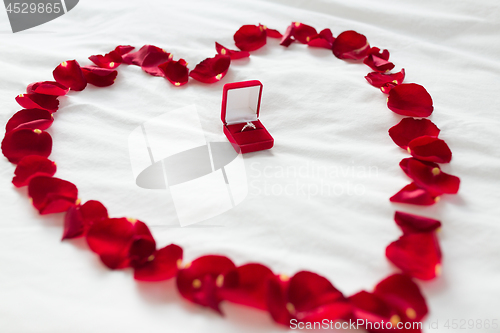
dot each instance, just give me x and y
(241, 104)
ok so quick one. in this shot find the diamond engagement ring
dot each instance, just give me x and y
(248, 124)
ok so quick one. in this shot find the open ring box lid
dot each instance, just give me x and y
(241, 104)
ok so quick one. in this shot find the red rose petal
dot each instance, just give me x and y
(111, 239)
(379, 80)
(111, 60)
(78, 219)
(162, 266)
(246, 285)
(52, 195)
(124, 49)
(401, 293)
(409, 128)
(306, 296)
(413, 224)
(121, 242)
(404, 164)
(137, 58)
(277, 300)
(350, 45)
(303, 32)
(313, 296)
(327, 35)
(211, 70)
(92, 211)
(417, 255)
(287, 37)
(149, 57)
(308, 290)
(395, 301)
(412, 194)
(410, 99)
(153, 60)
(378, 61)
(386, 89)
(31, 119)
(73, 223)
(99, 77)
(373, 310)
(108, 234)
(197, 282)
(250, 37)
(273, 33)
(22, 142)
(47, 88)
(376, 52)
(232, 53)
(176, 72)
(324, 39)
(338, 310)
(32, 166)
(70, 75)
(320, 42)
(429, 176)
(143, 245)
(38, 101)
(429, 148)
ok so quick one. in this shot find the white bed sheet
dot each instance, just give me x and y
(321, 113)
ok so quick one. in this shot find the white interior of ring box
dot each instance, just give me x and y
(242, 105)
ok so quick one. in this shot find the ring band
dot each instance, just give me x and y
(247, 125)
